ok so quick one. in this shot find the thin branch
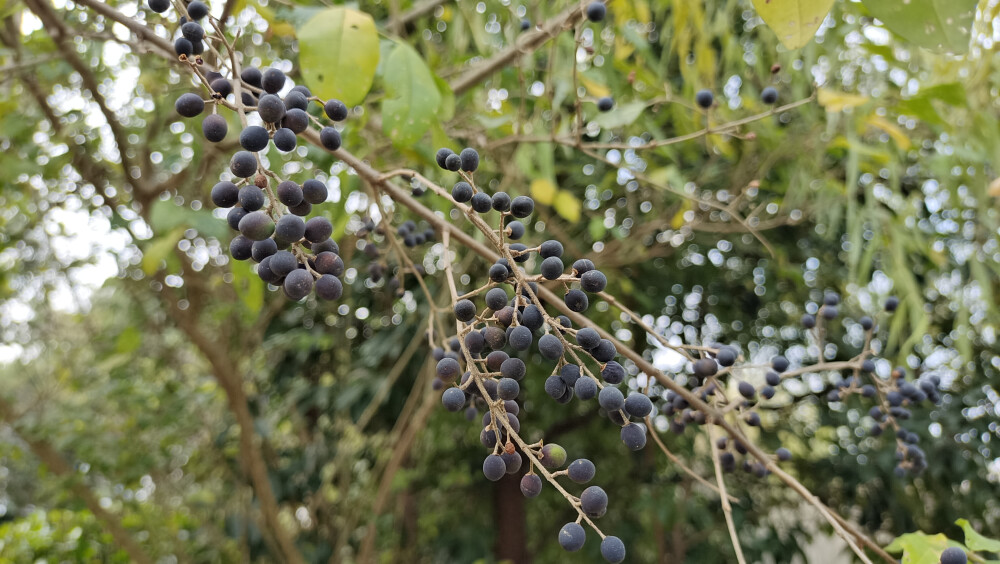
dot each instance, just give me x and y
(726, 508)
(525, 43)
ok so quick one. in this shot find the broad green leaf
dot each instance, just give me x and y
(939, 25)
(543, 191)
(976, 541)
(165, 215)
(793, 21)
(567, 205)
(620, 115)
(412, 98)
(919, 547)
(338, 53)
(159, 249)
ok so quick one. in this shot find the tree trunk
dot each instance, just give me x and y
(509, 524)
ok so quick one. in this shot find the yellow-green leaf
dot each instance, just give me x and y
(793, 21)
(412, 98)
(976, 541)
(338, 54)
(894, 131)
(543, 191)
(939, 25)
(567, 205)
(835, 101)
(919, 547)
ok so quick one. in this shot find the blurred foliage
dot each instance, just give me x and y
(884, 183)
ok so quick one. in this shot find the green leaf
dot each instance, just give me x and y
(620, 116)
(976, 541)
(248, 286)
(165, 215)
(159, 249)
(939, 25)
(412, 97)
(919, 547)
(338, 54)
(793, 21)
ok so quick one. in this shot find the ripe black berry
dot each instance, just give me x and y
(243, 164)
(197, 10)
(769, 96)
(225, 194)
(335, 110)
(531, 485)
(596, 11)
(605, 104)
(214, 127)
(252, 76)
(272, 80)
(264, 249)
(183, 47)
(470, 160)
(270, 108)
(251, 198)
(704, 98)
(254, 138)
(241, 248)
(193, 31)
(159, 6)
(284, 139)
(296, 100)
(501, 201)
(189, 105)
(298, 284)
(256, 226)
(453, 162)
(318, 229)
(314, 191)
(330, 138)
(296, 120)
(462, 192)
(522, 206)
(481, 202)
(465, 310)
(289, 229)
(552, 268)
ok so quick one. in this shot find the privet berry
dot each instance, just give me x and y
(189, 105)
(214, 127)
(330, 138)
(596, 11)
(704, 98)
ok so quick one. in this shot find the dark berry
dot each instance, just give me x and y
(335, 110)
(272, 80)
(704, 98)
(330, 138)
(189, 105)
(596, 11)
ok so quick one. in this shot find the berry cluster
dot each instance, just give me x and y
(503, 323)
(293, 253)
